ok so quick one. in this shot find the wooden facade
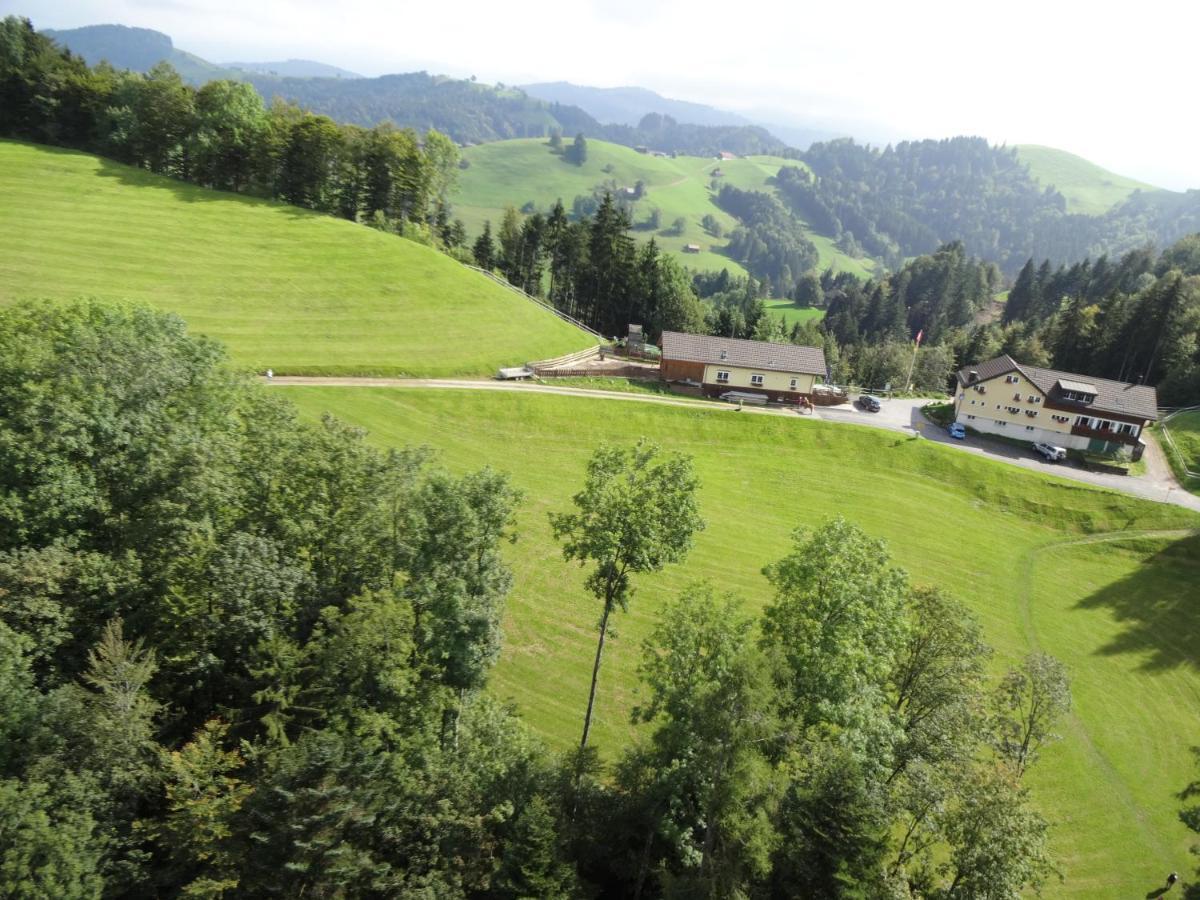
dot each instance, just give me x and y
(681, 370)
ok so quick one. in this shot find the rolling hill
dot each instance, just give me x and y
(627, 105)
(1087, 187)
(138, 49)
(523, 171)
(1105, 582)
(282, 287)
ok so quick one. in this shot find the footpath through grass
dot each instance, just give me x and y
(284, 288)
(1124, 617)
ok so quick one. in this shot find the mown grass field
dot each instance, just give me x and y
(1185, 433)
(1087, 187)
(299, 292)
(791, 313)
(1109, 584)
(513, 173)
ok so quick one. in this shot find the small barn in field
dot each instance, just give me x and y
(780, 372)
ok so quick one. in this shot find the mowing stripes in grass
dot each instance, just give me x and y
(296, 291)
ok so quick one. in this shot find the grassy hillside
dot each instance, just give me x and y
(1185, 433)
(282, 287)
(1045, 563)
(515, 172)
(1088, 188)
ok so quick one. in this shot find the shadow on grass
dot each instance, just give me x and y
(191, 193)
(1158, 607)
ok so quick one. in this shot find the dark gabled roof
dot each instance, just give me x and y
(1118, 397)
(703, 348)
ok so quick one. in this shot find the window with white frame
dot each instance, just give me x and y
(722, 377)
(756, 380)
(792, 384)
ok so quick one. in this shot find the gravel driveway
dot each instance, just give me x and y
(1157, 483)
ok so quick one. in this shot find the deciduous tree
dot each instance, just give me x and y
(637, 512)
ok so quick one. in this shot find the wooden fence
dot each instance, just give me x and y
(542, 303)
(1170, 441)
(542, 366)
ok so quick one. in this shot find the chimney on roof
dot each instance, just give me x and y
(973, 376)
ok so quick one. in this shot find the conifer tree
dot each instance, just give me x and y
(484, 249)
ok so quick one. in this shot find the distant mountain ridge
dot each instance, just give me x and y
(139, 49)
(293, 68)
(469, 112)
(629, 105)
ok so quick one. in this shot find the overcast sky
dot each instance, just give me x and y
(1113, 82)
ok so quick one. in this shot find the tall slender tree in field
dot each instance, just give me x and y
(637, 512)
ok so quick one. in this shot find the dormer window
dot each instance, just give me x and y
(724, 354)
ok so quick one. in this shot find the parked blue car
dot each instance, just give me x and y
(957, 431)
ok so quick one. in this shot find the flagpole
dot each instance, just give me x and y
(913, 362)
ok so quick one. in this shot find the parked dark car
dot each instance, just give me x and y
(867, 403)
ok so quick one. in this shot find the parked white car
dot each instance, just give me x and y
(1052, 453)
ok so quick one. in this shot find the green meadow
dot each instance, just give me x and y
(516, 172)
(1087, 187)
(1108, 583)
(1185, 432)
(282, 287)
(791, 313)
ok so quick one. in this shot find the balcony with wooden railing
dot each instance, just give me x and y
(1106, 434)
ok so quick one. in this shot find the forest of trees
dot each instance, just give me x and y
(247, 656)
(222, 136)
(592, 270)
(908, 199)
(769, 242)
(1136, 319)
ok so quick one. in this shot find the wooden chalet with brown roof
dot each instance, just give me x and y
(1030, 403)
(780, 372)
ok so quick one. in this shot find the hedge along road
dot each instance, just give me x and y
(897, 415)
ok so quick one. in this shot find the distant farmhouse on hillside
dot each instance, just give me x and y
(1030, 403)
(779, 372)
(691, 248)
